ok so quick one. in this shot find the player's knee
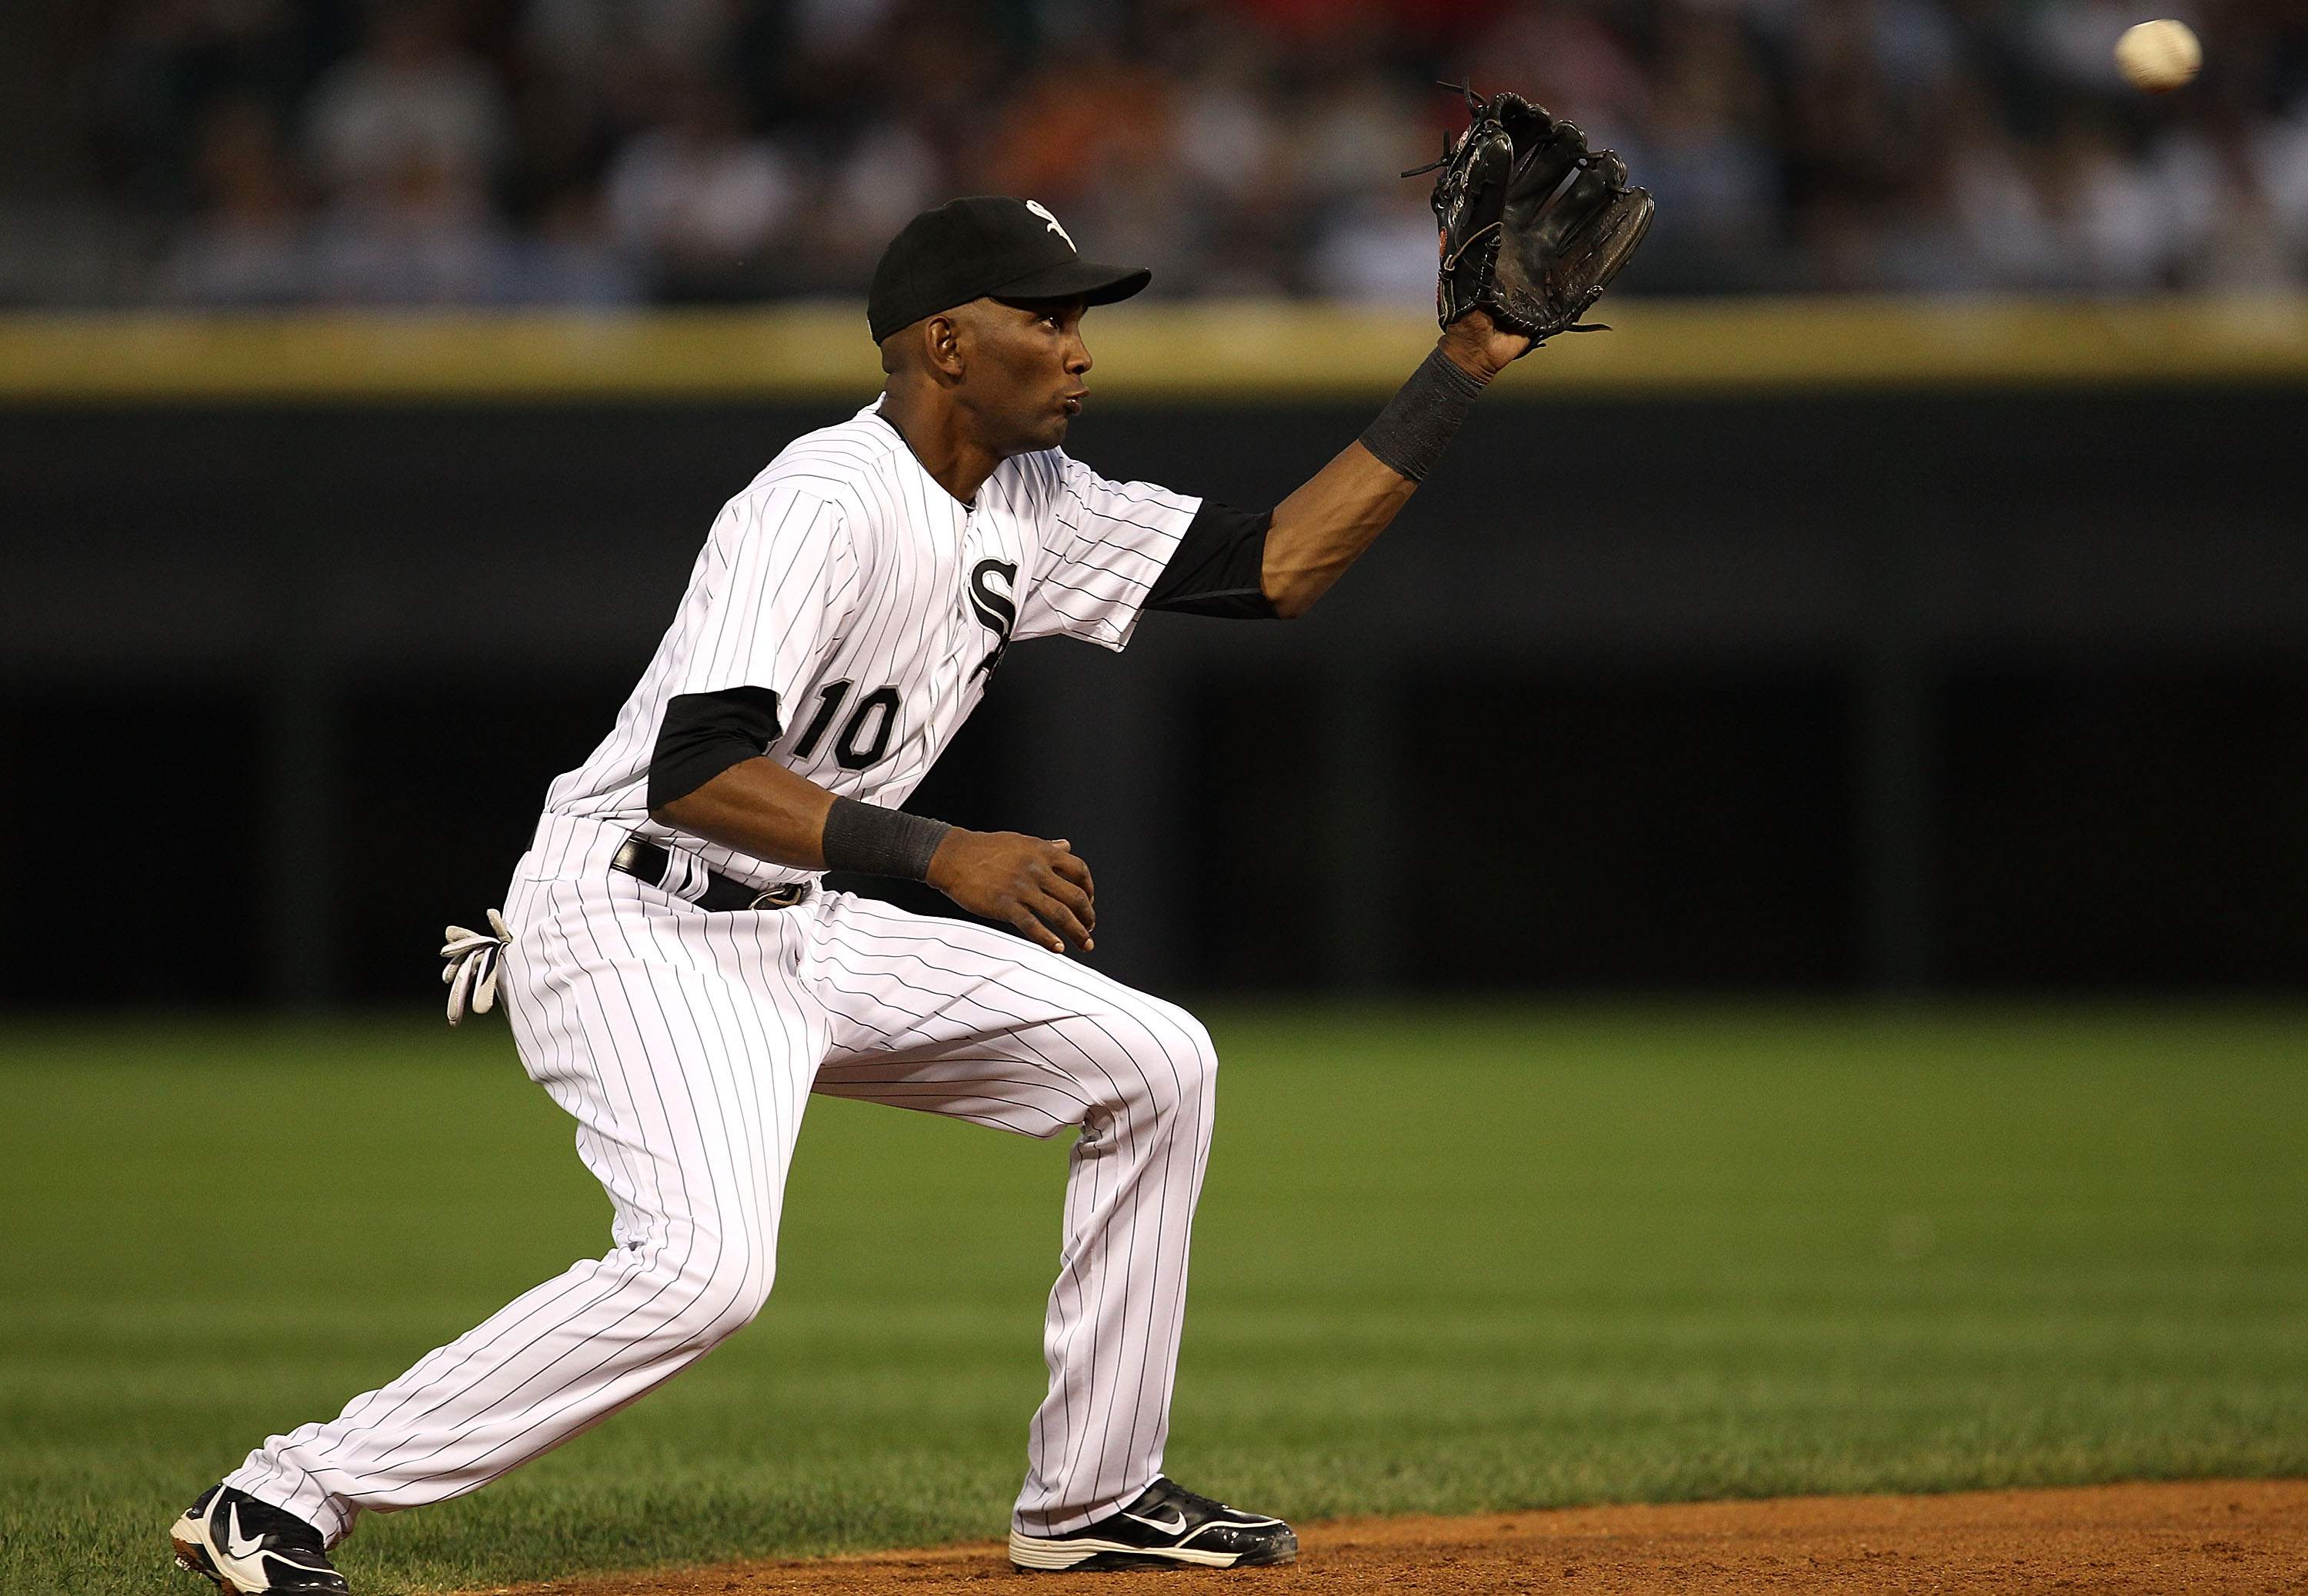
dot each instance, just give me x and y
(724, 1284)
(1204, 1067)
(727, 1305)
(1182, 1062)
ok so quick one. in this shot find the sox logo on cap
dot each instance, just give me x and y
(1037, 207)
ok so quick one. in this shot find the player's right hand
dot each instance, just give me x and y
(1036, 885)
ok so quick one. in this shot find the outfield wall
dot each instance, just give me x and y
(1890, 665)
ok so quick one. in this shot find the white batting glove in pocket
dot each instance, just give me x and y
(471, 971)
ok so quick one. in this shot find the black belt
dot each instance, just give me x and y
(646, 861)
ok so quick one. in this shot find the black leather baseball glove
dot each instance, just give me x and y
(1535, 224)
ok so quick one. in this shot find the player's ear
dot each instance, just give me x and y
(940, 343)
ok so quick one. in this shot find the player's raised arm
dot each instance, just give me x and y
(1323, 527)
(1534, 226)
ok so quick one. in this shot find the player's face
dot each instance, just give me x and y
(1027, 371)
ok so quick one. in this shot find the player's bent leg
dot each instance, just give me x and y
(961, 1020)
(654, 1030)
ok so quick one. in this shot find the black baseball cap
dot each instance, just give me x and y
(990, 245)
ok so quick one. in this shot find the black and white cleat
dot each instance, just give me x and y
(1167, 1527)
(250, 1548)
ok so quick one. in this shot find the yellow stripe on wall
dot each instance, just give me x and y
(1150, 353)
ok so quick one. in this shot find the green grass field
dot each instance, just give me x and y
(1448, 1260)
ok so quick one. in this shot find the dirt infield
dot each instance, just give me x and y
(2195, 1536)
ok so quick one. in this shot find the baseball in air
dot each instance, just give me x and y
(2159, 57)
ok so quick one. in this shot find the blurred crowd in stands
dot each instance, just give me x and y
(609, 151)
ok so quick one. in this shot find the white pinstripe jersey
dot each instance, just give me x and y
(848, 581)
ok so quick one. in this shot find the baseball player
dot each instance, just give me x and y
(679, 979)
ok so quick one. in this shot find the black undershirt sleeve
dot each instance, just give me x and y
(1216, 566)
(706, 733)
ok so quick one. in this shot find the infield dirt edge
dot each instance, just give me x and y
(2197, 1535)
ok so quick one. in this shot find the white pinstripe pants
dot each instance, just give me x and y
(685, 1043)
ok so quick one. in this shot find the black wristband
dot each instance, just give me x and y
(874, 841)
(1410, 434)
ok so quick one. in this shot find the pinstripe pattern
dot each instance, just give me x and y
(956, 1020)
(684, 1044)
(845, 560)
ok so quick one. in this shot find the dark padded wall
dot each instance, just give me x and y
(1997, 691)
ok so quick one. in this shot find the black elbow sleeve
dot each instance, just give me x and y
(1218, 567)
(704, 733)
